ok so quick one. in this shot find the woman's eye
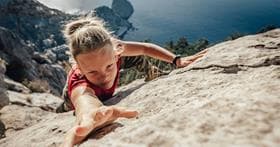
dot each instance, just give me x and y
(93, 73)
(110, 66)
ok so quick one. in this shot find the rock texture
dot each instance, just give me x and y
(230, 97)
(23, 67)
(4, 100)
(33, 22)
(26, 110)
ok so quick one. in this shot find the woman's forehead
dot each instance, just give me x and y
(95, 60)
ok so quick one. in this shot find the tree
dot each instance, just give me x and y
(234, 36)
(181, 45)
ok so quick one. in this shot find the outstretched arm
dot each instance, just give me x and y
(131, 48)
(91, 115)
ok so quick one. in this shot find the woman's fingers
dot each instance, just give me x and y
(102, 116)
(203, 51)
(126, 113)
(196, 57)
(186, 63)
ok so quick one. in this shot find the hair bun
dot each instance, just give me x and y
(72, 27)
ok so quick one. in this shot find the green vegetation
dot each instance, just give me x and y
(267, 28)
(234, 36)
(181, 46)
(264, 29)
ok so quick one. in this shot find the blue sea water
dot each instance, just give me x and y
(164, 20)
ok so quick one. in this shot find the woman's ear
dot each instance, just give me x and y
(118, 46)
(119, 50)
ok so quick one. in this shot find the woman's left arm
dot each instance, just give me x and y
(131, 48)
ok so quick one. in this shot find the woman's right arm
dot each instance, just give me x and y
(91, 114)
(84, 100)
(86, 104)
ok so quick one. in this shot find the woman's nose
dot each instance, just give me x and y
(103, 76)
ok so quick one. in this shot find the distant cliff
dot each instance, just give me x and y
(41, 26)
(123, 8)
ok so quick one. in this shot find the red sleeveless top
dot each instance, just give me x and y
(75, 78)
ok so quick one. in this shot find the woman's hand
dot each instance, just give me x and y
(94, 119)
(185, 61)
(101, 117)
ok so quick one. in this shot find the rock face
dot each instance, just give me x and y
(22, 67)
(4, 100)
(26, 110)
(123, 8)
(33, 22)
(230, 97)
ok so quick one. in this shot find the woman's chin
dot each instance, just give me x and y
(107, 85)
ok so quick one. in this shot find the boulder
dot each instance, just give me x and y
(61, 52)
(15, 86)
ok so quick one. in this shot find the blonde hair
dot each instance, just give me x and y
(85, 35)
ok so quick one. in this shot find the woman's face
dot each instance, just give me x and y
(99, 67)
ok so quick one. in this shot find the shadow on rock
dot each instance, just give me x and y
(98, 134)
(122, 95)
